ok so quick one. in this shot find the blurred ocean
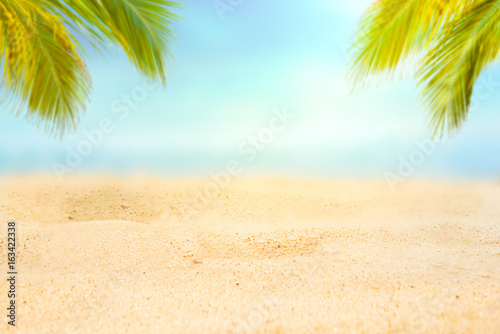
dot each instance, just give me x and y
(231, 70)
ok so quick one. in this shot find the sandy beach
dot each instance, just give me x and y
(264, 255)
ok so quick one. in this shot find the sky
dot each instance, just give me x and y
(262, 84)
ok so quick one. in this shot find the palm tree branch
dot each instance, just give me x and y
(394, 31)
(451, 67)
(43, 74)
(143, 29)
(46, 93)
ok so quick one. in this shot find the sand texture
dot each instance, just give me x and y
(265, 255)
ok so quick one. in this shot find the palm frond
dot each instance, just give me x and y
(393, 31)
(141, 27)
(43, 75)
(452, 66)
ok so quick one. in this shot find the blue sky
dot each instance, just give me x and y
(230, 72)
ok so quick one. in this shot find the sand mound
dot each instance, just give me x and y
(101, 254)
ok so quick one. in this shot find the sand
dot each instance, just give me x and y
(264, 255)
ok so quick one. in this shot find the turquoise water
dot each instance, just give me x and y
(228, 77)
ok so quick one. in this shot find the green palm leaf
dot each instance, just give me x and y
(453, 65)
(394, 31)
(43, 73)
(445, 43)
(141, 27)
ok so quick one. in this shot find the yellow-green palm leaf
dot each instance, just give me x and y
(43, 72)
(451, 67)
(446, 43)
